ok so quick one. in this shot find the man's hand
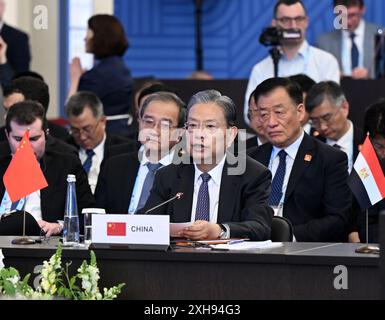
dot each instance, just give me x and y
(354, 237)
(202, 230)
(50, 229)
(3, 51)
(360, 73)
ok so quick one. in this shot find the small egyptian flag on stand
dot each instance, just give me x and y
(23, 177)
(367, 182)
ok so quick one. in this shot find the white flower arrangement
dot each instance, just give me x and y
(55, 282)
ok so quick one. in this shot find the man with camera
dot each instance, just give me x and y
(295, 54)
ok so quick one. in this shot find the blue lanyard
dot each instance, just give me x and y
(6, 199)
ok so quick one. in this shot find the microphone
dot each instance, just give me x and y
(178, 196)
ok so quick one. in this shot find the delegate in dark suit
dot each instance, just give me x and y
(317, 199)
(116, 183)
(332, 42)
(242, 198)
(56, 167)
(18, 52)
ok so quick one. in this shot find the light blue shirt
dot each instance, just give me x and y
(316, 63)
(347, 48)
(141, 176)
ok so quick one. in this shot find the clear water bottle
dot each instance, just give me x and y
(71, 217)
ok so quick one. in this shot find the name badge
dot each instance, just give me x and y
(131, 229)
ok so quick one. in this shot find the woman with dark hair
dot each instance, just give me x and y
(109, 79)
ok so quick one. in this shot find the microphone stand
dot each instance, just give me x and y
(198, 36)
(177, 197)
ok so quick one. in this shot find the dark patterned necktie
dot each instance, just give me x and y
(88, 163)
(277, 184)
(203, 202)
(354, 52)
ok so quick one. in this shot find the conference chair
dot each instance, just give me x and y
(281, 230)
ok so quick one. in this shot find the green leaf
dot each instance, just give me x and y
(9, 288)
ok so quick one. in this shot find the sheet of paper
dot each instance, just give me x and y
(175, 228)
(248, 245)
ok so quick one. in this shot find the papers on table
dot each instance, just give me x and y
(175, 228)
(240, 245)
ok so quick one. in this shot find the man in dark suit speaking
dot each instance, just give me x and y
(309, 177)
(221, 197)
(47, 205)
(18, 51)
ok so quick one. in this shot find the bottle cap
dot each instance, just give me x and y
(71, 178)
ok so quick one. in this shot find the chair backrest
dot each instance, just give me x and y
(281, 230)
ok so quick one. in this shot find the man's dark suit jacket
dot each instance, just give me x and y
(116, 182)
(242, 198)
(56, 167)
(111, 81)
(18, 52)
(317, 199)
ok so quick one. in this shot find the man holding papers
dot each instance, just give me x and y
(223, 196)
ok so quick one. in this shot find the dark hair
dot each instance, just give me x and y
(374, 120)
(166, 97)
(214, 96)
(349, 3)
(287, 3)
(31, 74)
(304, 81)
(81, 100)
(109, 36)
(292, 88)
(25, 113)
(31, 88)
(324, 90)
(154, 88)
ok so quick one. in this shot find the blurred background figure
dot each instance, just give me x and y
(110, 79)
(15, 45)
(354, 47)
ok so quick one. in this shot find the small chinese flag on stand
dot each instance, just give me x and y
(24, 175)
(117, 229)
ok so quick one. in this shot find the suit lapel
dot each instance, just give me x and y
(45, 194)
(338, 46)
(304, 157)
(229, 183)
(185, 183)
(263, 154)
(129, 174)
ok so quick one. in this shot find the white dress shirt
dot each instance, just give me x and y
(97, 160)
(32, 205)
(141, 176)
(291, 151)
(316, 63)
(347, 48)
(346, 144)
(214, 186)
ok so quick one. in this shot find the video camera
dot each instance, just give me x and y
(273, 36)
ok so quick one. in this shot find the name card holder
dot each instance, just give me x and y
(130, 232)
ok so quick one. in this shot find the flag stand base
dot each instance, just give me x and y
(23, 241)
(368, 250)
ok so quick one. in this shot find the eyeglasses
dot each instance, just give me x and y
(326, 119)
(163, 124)
(87, 130)
(287, 21)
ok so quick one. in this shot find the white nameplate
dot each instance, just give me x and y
(131, 229)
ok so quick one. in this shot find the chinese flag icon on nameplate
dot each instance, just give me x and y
(117, 229)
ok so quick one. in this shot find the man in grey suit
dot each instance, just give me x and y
(353, 47)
